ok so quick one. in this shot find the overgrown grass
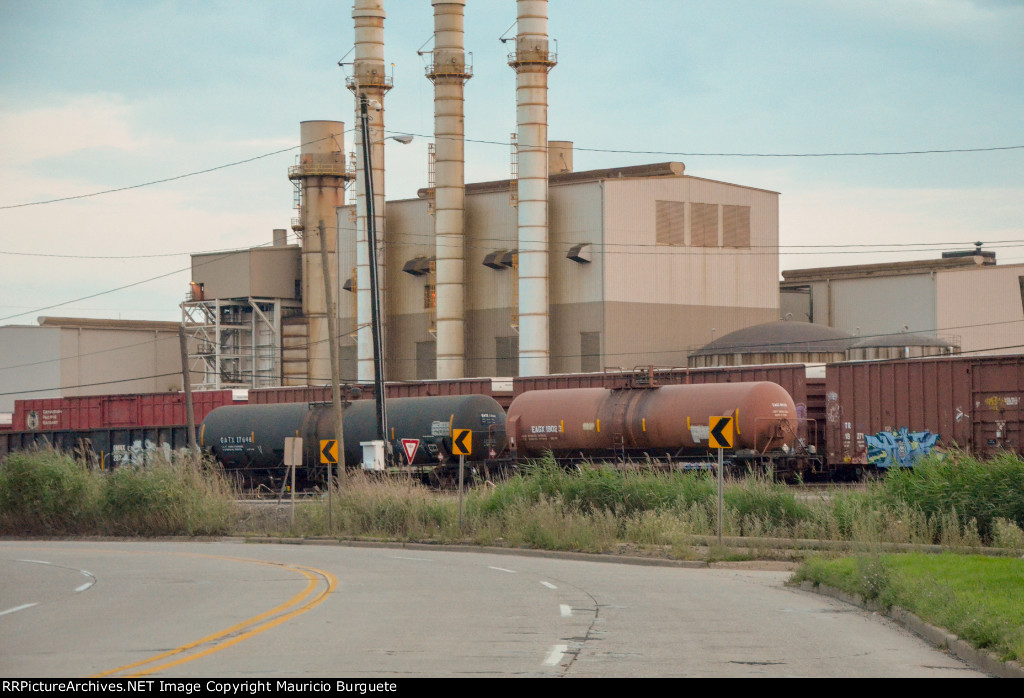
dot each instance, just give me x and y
(958, 502)
(980, 599)
(964, 487)
(49, 493)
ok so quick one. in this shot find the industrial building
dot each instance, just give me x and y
(65, 357)
(964, 300)
(548, 271)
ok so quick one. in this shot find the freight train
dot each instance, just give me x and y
(835, 420)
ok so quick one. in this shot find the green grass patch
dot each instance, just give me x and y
(979, 598)
(46, 492)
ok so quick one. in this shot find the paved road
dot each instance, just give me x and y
(226, 609)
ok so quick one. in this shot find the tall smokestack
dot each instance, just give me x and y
(449, 73)
(320, 179)
(532, 61)
(370, 81)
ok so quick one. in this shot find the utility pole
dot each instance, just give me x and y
(186, 378)
(375, 319)
(332, 331)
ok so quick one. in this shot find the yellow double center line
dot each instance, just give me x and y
(298, 604)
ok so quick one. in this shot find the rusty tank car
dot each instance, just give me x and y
(670, 421)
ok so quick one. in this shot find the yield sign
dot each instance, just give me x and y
(410, 446)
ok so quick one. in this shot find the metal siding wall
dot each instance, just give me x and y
(223, 275)
(35, 354)
(983, 306)
(883, 305)
(101, 359)
(641, 271)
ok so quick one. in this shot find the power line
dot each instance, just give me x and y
(169, 179)
(618, 151)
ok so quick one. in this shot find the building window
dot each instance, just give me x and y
(506, 351)
(590, 352)
(670, 219)
(426, 360)
(735, 226)
(704, 225)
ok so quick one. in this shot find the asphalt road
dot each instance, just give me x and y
(230, 610)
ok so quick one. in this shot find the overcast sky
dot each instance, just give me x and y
(102, 95)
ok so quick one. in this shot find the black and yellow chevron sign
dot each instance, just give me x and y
(462, 442)
(720, 435)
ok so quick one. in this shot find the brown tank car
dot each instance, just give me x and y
(671, 420)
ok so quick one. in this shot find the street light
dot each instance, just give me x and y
(371, 241)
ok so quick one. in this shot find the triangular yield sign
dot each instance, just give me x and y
(410, 446)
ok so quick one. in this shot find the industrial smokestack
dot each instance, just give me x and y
(319, 178)
(369, 81)
(449, 72)
(532, 61)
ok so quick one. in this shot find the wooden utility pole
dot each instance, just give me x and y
(332, 322)
(186, 379)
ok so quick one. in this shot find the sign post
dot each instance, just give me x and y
(329, 456)
(462, 446)
(720, 436)
(293, 459)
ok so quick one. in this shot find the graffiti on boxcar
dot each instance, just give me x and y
(139, 453)
(899, 449)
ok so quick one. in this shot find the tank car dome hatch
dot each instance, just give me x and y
(782, 341)
(900, 345)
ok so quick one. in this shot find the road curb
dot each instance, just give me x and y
(939, 637)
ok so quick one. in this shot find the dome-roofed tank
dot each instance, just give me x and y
(899, 345)
(782, 341)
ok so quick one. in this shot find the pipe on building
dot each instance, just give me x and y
(321, 175)
(369, 80)
(532, 61)
(449, 73)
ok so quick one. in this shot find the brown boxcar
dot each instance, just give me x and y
(971, 403)
(115, 411)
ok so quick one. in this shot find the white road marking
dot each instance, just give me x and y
(501, 569)
(566, 610)
(555, 655)
(78, 589)
(549, 585)
(18, 608)
(400, 557)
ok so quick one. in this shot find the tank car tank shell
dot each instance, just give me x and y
(253, 436)
(670, 420)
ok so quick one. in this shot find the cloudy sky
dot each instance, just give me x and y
(103, 95)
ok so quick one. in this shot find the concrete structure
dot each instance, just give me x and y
(646, 264)
(319, 177)
(448, 71)
(63, 357)
(532, 60)
(240, 308)
(965, 300)
(369, 82)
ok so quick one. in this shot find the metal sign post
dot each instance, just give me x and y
(293, 459)
(462, 445)
(462, 466)
(720, 433)
(329, 456)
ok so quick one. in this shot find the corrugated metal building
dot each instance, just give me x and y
(64, 357)
(646, 264)
(965, 299)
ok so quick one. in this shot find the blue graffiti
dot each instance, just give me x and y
(888, 449)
